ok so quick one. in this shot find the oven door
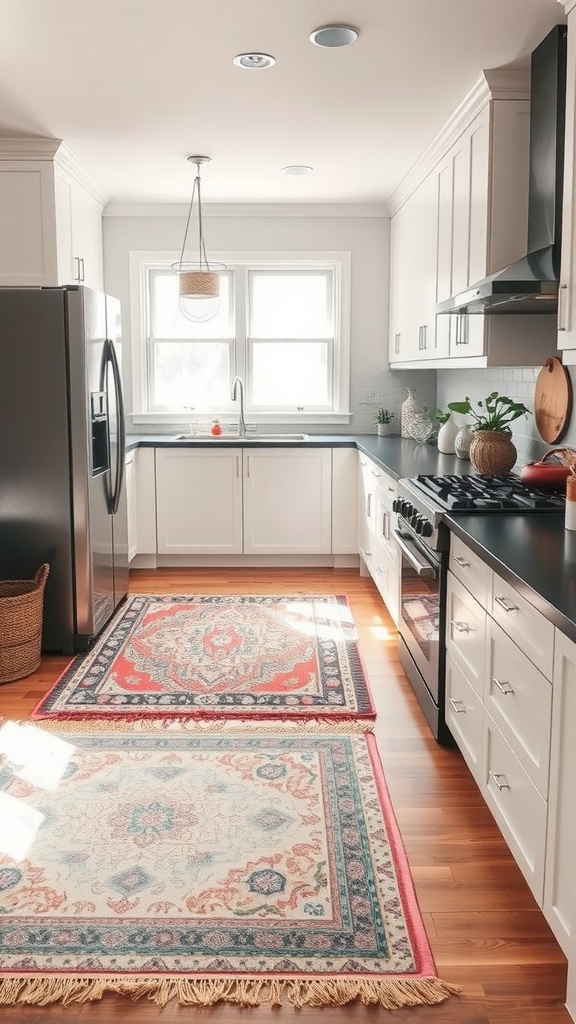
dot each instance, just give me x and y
(421, 612)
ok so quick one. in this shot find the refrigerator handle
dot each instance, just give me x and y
(120, 453)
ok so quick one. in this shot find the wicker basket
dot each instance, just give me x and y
(21, 607)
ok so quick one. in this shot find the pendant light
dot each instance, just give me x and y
(199, 281)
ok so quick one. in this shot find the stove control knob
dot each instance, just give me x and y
(407, 509)
(414, 519)
(427, 528)
(396, 505)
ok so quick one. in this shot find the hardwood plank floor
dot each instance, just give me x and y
(483, 924)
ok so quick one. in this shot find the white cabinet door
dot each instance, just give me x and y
(344, 501)
(146, 501)
(287, 501)
(199, 501)
(567, 289)
(79, 233)
(28, 232)
(403, 339)
(560, 881)
(131, 470)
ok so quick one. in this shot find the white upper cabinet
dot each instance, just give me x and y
(460, 215)
(567, 290)
(51, 216)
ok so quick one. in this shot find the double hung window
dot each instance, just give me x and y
(282, 325)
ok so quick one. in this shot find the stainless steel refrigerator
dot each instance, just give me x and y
(62, 439)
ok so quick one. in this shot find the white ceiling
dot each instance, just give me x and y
(135, 86)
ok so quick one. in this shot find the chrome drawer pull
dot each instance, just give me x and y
(501, 785)
(461, 562)
(457, 705)
(505, 604)
(503, 686)
(462, 627)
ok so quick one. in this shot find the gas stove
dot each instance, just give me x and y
(423, 499)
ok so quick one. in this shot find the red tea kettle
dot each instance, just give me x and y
(549, 476)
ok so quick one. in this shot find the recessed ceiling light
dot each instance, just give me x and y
(297, 169)
(254, 61)
(334, 35)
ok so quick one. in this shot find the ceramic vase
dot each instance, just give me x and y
(409, 412)
(447, 436)
(492, 451)
(383, 429)
(463, 441)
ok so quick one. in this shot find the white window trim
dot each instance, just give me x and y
(140, 261)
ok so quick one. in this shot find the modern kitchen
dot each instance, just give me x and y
(378, 313)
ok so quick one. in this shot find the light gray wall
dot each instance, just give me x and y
(366, 237)
(517, 382)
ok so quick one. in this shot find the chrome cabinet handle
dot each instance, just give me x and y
(458, 706)
(377, 475)
(503, 686)
(76, 274)
(561, 292)
(496, 778)
(81, 265)
(369, 506)
(237, 465)
(462, 627)
(461, 562)
(505, 604)
(397, 344)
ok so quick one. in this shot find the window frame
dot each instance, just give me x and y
(141, 262)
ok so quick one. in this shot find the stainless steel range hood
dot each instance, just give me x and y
(531, 284)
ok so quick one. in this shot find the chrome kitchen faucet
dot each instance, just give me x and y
(238, 385)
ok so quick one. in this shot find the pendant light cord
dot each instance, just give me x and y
(201, 247)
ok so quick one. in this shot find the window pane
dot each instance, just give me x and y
(191, 373)
(166, 320)
(290, 374)
(291, 304)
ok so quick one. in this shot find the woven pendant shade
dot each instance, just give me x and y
(198, 284)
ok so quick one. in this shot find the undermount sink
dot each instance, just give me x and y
(249, 438)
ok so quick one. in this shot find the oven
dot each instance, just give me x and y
(423, 540)
(423, 547)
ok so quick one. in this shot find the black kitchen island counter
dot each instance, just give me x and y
(534, 553)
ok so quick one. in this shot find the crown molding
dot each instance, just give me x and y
(28, 147)
(568, 5)
(493, 84)
(180, 210)
(70, 163)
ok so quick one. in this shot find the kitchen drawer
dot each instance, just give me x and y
(518, 808)
(519, 698)
(466, 633)
(384, 569)
(524, 624)
(470, 570)
(464, 717)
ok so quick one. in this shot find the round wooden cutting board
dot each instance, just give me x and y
(552, 401)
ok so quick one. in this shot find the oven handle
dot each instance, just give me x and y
(407, 549)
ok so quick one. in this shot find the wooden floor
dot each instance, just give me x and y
(485, 929)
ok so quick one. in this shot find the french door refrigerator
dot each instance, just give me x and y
(62, 439)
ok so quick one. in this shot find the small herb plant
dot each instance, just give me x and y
(496, 412)
(384, 416)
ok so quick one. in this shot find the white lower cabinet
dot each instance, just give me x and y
(376, 519)
(130, 477)
(499, 703)
(243, 501)
(517, 806)
(199, 501)
(560, 882)
(287, 501)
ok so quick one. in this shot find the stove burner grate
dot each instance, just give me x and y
(488, 494)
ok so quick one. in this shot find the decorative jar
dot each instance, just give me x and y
(410, 409)
(447, 436)
(463, 441)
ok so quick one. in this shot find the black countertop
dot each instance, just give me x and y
(533, 551)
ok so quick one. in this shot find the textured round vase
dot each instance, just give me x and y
(447, 436)
(383, 429)
(463, 441)
(492, 451)
(409, 412)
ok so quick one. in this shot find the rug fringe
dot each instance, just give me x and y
(215, 725)
(389, 993)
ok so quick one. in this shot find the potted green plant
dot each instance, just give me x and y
(384, 422)
(491, 449)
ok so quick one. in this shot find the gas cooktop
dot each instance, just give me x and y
(505, 493)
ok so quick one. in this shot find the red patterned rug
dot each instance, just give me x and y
(204, 863)
(236, 656)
